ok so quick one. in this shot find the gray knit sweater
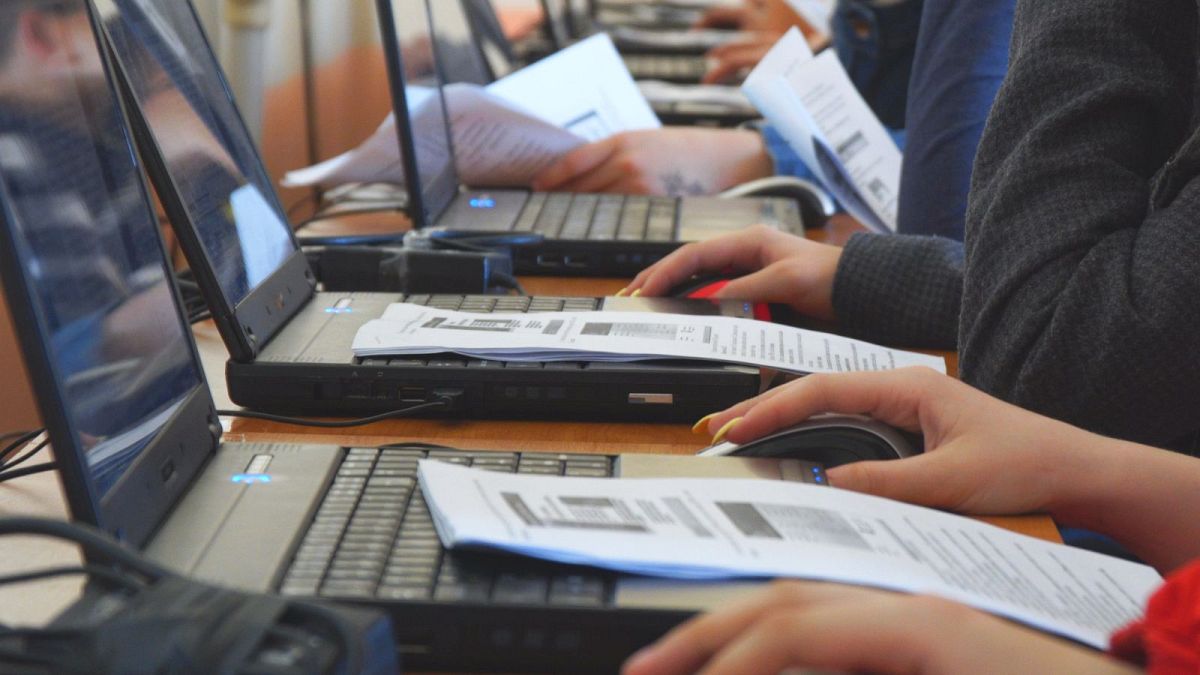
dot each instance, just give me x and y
(1075, 294)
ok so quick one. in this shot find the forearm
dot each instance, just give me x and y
(1145, 498)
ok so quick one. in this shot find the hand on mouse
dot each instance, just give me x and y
(848, 629)
(777, 267)
(982, 455)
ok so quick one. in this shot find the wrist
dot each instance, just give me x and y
(751, 159)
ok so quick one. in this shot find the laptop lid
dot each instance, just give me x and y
(413, 76)
(111, 358)
(490, 38)
(207, 171)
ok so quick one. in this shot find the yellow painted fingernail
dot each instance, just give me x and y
(621, 293)
(701, 427)
(720, 435)
(636, 293)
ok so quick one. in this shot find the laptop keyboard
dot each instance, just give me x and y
(561, 215)
(665, 67)
(373, 537)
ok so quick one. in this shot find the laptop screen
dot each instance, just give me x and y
(457, 48)
(411, 34)
(209, 154)
(83, 242)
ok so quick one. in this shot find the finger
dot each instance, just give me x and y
(719, 419)
(602, 178)
(743, 250)
(579, 161)
(894, 397)
(686, 648)
(721, 71)
(933, 479)
(776, 282)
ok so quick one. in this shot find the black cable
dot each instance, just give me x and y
(10, 464)
(16, 445)
(14, 434)
(27, 471)
(199, 316)
(51, 572)
(444, 401)
(506, 280)
(87, 537)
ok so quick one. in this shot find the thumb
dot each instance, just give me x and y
(923, 479)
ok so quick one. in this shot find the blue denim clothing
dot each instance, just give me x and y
(875, 40)
(961, 59)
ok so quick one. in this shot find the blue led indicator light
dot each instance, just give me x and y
(251, 478)
(338, 310)
(819, 479)
(482, 202)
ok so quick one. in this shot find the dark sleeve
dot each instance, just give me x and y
(899, 290)
(960, 62)
(1080, 294)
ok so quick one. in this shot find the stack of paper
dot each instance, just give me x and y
(508, 132)
(406, 329)
(713, 528)
(814, 105)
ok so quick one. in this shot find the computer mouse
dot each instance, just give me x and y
(706, 286)
(828, 440)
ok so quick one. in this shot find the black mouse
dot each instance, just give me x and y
(828, 440)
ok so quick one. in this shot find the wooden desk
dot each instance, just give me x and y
(41, 495)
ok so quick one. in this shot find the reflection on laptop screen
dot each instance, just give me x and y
(209, 154)
(86, 239)
(431, 128)
(456, 45)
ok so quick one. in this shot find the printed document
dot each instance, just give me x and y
(814, 105)
(508, 132)
(406, 329)
(714, 528)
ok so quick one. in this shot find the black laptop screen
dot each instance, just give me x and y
(85, 240)
(211, 158)
(438, 176)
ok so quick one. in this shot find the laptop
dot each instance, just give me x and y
(122, 393)
(290, 344)
(563, 28)
(577, 234)
(484, 54)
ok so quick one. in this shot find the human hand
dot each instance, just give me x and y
(729, 17)
(845, 628)
(730, 59)
(777, 267)
(667, 161)
(982, 455)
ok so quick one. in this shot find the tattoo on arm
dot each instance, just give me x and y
(678, 185)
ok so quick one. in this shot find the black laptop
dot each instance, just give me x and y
(138, 443)
(580, 234)
(290, 345)
(482, 53)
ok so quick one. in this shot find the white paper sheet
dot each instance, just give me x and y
(816, 108)
(585, 89)
(406, 329)
(706, 529)
(508, 132)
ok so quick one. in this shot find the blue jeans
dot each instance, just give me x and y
(876, 45)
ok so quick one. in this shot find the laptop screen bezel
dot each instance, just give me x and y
(247, 326)
(424, 210)
(140, 500)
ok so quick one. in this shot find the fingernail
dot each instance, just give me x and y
(621, 293)
(636, 293)
(720, 435)
(701, 426)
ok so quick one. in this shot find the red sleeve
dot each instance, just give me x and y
(1167, 639)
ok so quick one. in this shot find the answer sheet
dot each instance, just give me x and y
(406, 329)
(713, 528)
(815, 107)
